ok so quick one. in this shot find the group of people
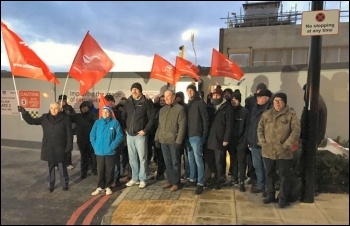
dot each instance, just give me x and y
(258, 137)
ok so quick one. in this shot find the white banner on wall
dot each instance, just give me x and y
(8, 102)
(75, 99)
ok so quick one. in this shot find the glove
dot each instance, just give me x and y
(21, 109)
(178, 147)
(157, 144)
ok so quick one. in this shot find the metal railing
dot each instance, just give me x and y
(256, 20)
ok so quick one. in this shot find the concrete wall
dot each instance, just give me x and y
(334, 87)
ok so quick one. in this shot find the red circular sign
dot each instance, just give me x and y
(320, 17)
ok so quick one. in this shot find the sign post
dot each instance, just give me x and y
(325, 22)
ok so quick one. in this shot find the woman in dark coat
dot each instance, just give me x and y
(57, 140)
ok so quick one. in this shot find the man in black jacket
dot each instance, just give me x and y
(84, 122)
(68, 110)
(138, 115)
(197, 131)
(219, 136)
(238, 142)
(57, 141)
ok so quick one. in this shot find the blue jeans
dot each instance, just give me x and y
(137, 150)
(172, 163)
(259, 167)
(195, 158)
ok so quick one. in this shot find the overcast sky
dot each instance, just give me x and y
(129, 32)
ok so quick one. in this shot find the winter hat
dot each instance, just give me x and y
(110, 97)
(108, 108)
(261, 86)
(137, 86)
(193, 87)
(283, 96)
(228, 90)
(218, 91)
(263, 92)
(237, 95)
(60, 97)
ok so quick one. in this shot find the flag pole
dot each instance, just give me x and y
(14, 83)
(194, 50)
(65, 84)
(64, 90)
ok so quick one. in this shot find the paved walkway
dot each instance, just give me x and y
(157, 206)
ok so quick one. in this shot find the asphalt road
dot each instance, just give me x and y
(25, 199)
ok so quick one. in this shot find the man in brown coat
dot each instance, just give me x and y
(278, 131)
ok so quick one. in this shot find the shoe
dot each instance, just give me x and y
(282, 203)
(190, 184)
(160, 177)
(242, 187)
(167, 185)
(125, 174)
(108, 191)
(256, 190)
(264, 194)
(83, 176)
(131, 183)
(51, 189)
(97, 191)
(142, 184)
(65, 188)
(70, 166)
(216, 187)
(248, 181)
(174, 188)
(234, 183)
(269, 199)
(199, 190)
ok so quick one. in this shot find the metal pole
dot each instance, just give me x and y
(309, 143)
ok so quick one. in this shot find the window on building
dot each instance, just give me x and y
(259, 57)
(242, 59)
(272, 57)
(299, 56)
(241, 56)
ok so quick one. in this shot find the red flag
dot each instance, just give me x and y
(162, 70)
(24, 61)
(103, 102)
(222, 66)
(185, 67)
(90, 64)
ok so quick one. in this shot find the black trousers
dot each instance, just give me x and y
(250, 168)
(284, 168)
(87, 158)
(214, 162)
(62, 170)
(160, 161)
(105, 170)
(238, 161)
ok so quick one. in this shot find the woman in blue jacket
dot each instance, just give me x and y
(105, 136)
